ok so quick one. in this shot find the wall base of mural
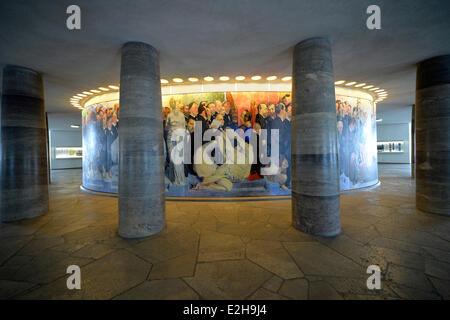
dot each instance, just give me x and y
(261, 187)
(257, 188)
(270, 192)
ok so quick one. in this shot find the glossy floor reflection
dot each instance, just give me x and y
(242, 250)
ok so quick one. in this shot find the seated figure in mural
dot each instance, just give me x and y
(175, 120)
(222, 176)
(280, 174)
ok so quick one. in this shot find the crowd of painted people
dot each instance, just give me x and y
(100, 137)
(220, 116)
(354, 126)
(100, 126)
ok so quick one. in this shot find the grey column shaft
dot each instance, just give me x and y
(413, 141)
(141, 162)
(24, 183)
(315, 167)
(433, 135)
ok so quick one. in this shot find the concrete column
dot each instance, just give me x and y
(141, 162)
(315, 167)
(413, 141)
(433, 135)
(23, 176)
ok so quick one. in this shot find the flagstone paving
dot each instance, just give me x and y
(229, 250)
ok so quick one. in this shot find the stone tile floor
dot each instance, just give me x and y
(229, 250)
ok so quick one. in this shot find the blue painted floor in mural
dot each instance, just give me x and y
(95, 181)
(101, 185)
(255, 188)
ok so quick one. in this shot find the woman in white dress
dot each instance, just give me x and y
(175, 121)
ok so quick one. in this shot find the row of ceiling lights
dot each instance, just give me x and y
(381, 93)
(225, 78)
(75, 100)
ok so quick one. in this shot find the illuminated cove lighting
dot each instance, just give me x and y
(223, 83)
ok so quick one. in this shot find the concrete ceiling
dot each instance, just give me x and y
(221, 37)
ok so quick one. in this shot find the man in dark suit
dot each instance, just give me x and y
(261, 116)
(227, 116)
(201, 120)
(278, 124)
(271, 116)
(287, 142)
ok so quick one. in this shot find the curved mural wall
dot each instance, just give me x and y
(246, 121)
